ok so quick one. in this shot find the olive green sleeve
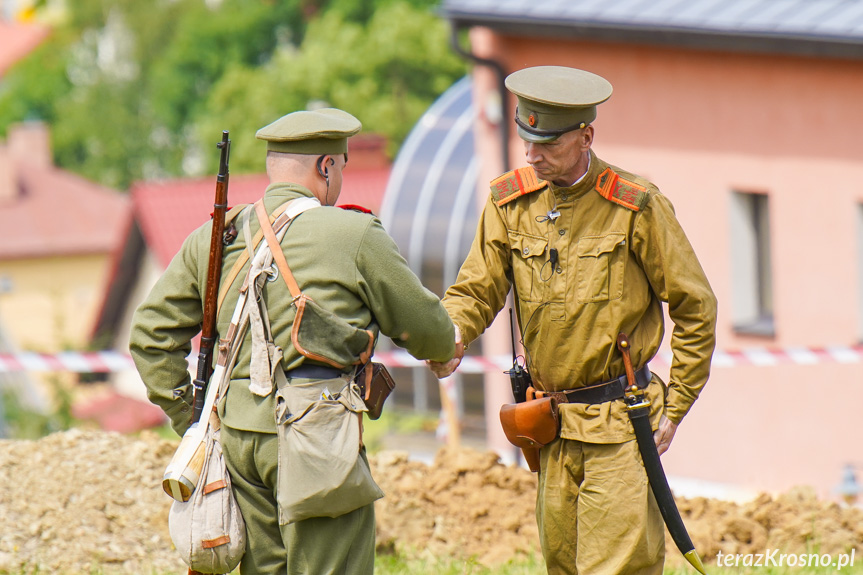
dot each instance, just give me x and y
(162, 330)
(664, 253)
(407, 312)
(483, 283)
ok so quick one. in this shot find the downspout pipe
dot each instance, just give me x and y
(501, 87)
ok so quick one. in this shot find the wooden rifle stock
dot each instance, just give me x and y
(214, 277)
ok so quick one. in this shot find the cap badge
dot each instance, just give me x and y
(531, 120)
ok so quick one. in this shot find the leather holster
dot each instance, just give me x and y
(530, 425)
(376, 384)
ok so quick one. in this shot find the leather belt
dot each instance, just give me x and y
(310, 371)
(600, 392)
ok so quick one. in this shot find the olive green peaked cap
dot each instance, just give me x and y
(324, 131)
(553, 100)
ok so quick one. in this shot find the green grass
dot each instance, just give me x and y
(396, 565)
(399, 565)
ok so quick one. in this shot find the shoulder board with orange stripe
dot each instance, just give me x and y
(515, 184)
(628, 194)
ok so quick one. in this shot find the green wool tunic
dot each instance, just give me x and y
(342, 259)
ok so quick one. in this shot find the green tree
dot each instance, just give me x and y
(386, 72)
(33, 88)
(134, 90)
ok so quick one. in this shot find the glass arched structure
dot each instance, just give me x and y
(431, 211)
(429, 207)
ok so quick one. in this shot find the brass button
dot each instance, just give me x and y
(561, 232)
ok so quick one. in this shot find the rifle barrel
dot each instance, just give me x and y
(214, 277)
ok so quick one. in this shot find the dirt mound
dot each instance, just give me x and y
(80, 499)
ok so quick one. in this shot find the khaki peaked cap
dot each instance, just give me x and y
(553, 100)
(324, 131)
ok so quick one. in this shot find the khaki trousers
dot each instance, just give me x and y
(342, 545)
(595, 511)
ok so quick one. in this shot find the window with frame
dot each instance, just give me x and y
(751, 267)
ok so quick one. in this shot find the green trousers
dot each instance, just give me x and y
(342, 545)
(595, 511)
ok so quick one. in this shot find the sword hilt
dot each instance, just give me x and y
(623, 345)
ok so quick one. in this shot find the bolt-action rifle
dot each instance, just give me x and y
(182, 473)
(214, 277)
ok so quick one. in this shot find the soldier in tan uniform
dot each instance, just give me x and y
(591, 251)
(343, 260)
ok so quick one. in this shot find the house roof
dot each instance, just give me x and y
(58, 213)
(811, 27)
(18, 41)
(170, 210)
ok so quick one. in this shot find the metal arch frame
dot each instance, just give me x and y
(464, 195)
(462, 125)
(427, 124)
(414, 142)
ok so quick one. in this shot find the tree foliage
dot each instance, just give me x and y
(137, 90)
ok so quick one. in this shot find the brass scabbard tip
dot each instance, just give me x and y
(695, 560)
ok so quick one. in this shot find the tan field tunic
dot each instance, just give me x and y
(621, 252)
(342, 259)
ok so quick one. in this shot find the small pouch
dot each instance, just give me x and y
(321, 335)
(376, 384)
(322, 469)
(208, 530)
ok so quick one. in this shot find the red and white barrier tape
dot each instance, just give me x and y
(78, 362)
(110, 361)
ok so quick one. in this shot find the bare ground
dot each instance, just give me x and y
(82, 499)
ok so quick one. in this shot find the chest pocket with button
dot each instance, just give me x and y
(528, 255)
(599, 269)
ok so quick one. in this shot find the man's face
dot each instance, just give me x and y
(560, 161)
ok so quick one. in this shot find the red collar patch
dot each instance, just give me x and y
(355, 208)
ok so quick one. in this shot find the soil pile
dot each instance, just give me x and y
(82, 499)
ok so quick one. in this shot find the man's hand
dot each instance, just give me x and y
(445, 369)
(664, 434)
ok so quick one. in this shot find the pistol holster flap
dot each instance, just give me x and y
(530, 424)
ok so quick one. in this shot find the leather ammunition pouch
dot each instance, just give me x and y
(531, 425)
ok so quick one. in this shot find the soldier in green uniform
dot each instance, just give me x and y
(591, 251)
(343, 260)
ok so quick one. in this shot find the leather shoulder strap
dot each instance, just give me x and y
(294, 209)
(304, 203)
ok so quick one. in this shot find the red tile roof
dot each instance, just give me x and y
(18, 41)
(59, 213)
(168, 211)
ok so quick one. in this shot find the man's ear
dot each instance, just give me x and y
(586, 138)
(322, 164)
